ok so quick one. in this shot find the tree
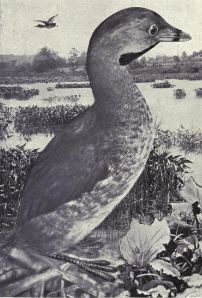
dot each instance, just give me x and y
(24, 67)
(184, 55)
(76, 59)
(3, 65)
(47, 60)
(176, 58)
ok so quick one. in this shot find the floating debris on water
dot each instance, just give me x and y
(165, 84)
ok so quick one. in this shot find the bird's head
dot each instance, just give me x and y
(130, 33)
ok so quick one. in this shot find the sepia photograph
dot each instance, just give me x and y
(101, 148)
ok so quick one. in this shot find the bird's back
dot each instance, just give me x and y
(68, 166)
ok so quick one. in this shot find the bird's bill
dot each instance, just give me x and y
(172, 34)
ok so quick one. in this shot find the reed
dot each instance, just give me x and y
(34, 119)
(15, 165)
(17, 92)
(185, 139)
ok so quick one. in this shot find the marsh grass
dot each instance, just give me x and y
(17, 92)
(185, 139)
(33, 119)
(158, 185)
(15, 165)
(5, 120)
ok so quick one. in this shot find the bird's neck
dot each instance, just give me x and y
(117, 98)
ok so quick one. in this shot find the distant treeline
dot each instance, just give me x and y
(170, 64)
(47, 62)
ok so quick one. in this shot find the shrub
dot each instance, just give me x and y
(15, 165)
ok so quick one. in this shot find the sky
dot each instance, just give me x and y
(77, 19)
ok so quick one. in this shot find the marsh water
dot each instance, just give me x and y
(170, 112)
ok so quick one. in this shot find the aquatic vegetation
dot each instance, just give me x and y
(17, 92)
(159, 184)
(56, 99)
(73, 85)
(164, 266)
(158, 262)
(165, 84)
(15, 165)
(5, 120)
(34, 119)
(198, 92)
(179, 93)
(185, 139)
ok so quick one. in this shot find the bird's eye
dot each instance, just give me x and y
(153, 29)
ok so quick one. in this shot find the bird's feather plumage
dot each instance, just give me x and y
(52, 18)
(44, 22)
(68, 166)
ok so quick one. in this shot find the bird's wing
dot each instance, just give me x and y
(44, 22)
(52, 18)
(69, 167)
(40, 26)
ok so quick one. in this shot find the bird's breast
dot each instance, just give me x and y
(125, 158)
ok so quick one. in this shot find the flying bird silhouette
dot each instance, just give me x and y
(49, 24)
(88, 168)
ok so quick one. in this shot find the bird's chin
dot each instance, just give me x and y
(127, 58)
